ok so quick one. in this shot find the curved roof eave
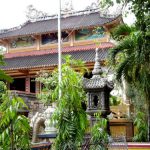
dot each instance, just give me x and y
(69, 23)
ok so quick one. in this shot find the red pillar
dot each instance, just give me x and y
(27, 84)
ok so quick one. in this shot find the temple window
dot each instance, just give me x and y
(49, 38)
(52, 38)
(95, 101)
(32, 85)
(18, 84)
(89, 34)
(65, 36)
(88, 75)
(22, 42)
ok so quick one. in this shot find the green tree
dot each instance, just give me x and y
(71, 117)
(14, 127)
(4, 76)
(141, 127)
(131, 56)
(139, 115)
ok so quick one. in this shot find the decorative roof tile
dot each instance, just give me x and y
(51, 59)
(68, 23)
(96, 83)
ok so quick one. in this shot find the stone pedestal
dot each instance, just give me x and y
(49, 123)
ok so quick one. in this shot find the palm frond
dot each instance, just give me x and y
(123, 70)
(125, 46)
(121, 32)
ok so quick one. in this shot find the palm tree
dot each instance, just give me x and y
(131, 58)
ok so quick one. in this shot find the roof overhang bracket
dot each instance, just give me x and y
(26, 72)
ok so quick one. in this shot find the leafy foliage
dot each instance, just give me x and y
(99, 134)
(141, 127)
(140, 113)
(114, 100)
(122, 31)
(2, 90)
(137, 99)
(3, 76)
(133, 59)
(70, 116)
(14, 127)
(131, 56)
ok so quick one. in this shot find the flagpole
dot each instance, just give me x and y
(59, 47)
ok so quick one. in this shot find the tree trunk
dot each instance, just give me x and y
(11, 137)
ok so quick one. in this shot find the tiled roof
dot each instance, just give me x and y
(45, 26)
(97, 83)
(46, 60)
(64, 50)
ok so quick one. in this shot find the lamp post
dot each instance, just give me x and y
(59, 47)
(98, 90)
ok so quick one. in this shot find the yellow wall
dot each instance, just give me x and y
(71, 42)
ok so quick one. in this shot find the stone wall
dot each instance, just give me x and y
(34, 105)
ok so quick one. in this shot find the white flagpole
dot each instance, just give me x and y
(59, 46)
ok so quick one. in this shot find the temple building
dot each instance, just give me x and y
(32, 47)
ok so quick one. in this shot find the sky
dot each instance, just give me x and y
(13, 12)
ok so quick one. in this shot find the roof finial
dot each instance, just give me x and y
(67, 7)
(97, 67)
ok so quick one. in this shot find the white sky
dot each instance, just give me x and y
(13, 12)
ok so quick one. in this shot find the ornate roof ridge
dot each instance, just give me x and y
(77, 13)
(14, 28)
(69, 14)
